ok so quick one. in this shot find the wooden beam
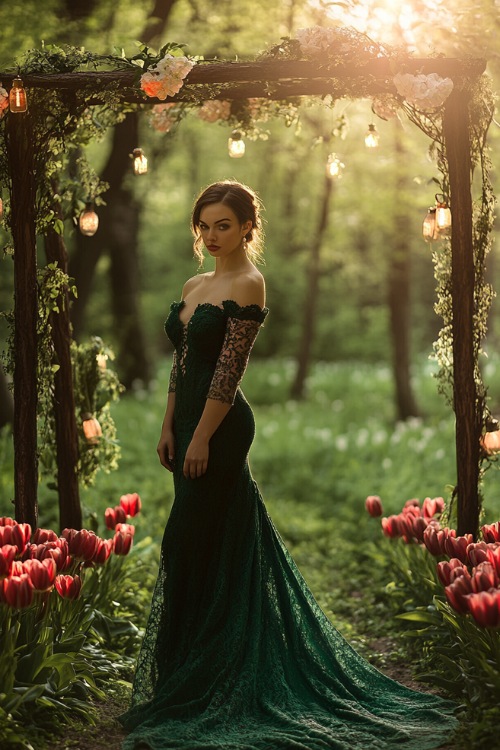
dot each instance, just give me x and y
(380, 69)
(468, 411)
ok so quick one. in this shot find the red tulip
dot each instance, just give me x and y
(417, 526)
(21, 533)
(373, 505)
(484, 607)
(456, 593)
(57, 550)
(432, 539)
(431, 507)
(44, 535)
(17, 568)
(69, 534)
(450, 571)
(391, 526)
(484, 577)
(83, 544)
(457, 547)
(494, 558)
(17, 591)
(125, 528)
(122, 543)
(115, 515)
(411, 505)
(7, 521)
(477, 552)
(491, 532)
(131, 504)
(41, 572)
(7, 555)
(103, 551)
(68, 587)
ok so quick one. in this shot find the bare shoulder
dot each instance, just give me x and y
(192, 284)
(249, 288)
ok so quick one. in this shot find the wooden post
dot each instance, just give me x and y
(467, 411)
(70, 513)
(20, 143)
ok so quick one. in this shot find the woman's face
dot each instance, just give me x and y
(221, 230)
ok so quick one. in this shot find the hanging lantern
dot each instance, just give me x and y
(91, 429)
(437, 223)
(89, 220)
(429, 225)
(490, 441)
(236, 145)
(334, 166)
(140, 161)
(443, 216)
(372, 137)
(17, 96)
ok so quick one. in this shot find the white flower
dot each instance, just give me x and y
(166, 78)
(423, 91)
(215, 109)
(4, 101)
(316, 40)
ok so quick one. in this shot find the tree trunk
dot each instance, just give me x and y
(399, 292)
(311, 301)
(468, 407)
(70, 514)
(23, 205)
(132, 361)
(6, 401)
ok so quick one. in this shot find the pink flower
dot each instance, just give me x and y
(162, 118)
(7, 555)
(83, 544)
(450, 571)
(215, 109)
(491, 532)
(131, 504)
(4, 100)
(494, 558)
(41, 572)
(115, 515)
(432, 506)
(477, 552)
(456, 593)
(391, 526)
(122, 543)
(17, 591)
(484, 607)
(166, 78)
(373, 505)
(484, 577)
(457, 547)
(68, 587)
(44, 535)
(103, 551)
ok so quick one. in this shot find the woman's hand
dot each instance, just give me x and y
(196, 460)
(166, 449)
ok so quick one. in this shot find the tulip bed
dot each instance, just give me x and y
(446, 589)
(63, 634)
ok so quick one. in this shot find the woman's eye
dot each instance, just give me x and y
(223, 226)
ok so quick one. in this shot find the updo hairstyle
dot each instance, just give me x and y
(246, 206)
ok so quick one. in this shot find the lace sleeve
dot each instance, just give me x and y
(233, 358)
(173, 374)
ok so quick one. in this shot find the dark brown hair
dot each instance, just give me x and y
(246, 206)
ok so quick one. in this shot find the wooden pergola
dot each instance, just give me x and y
(270, 80)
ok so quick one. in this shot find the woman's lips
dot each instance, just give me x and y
(213, 247)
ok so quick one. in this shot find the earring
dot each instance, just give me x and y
(245, 243)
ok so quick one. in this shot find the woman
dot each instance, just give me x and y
(237, 654)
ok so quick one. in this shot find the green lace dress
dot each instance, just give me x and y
(237, 654)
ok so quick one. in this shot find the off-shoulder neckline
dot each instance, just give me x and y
(222, 307)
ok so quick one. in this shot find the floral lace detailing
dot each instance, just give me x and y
(172, 383)
(233, 359)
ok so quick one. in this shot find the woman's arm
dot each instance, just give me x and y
(229, 371)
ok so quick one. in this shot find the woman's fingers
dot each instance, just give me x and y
(194, 468)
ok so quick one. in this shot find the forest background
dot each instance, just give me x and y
(341, 375)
